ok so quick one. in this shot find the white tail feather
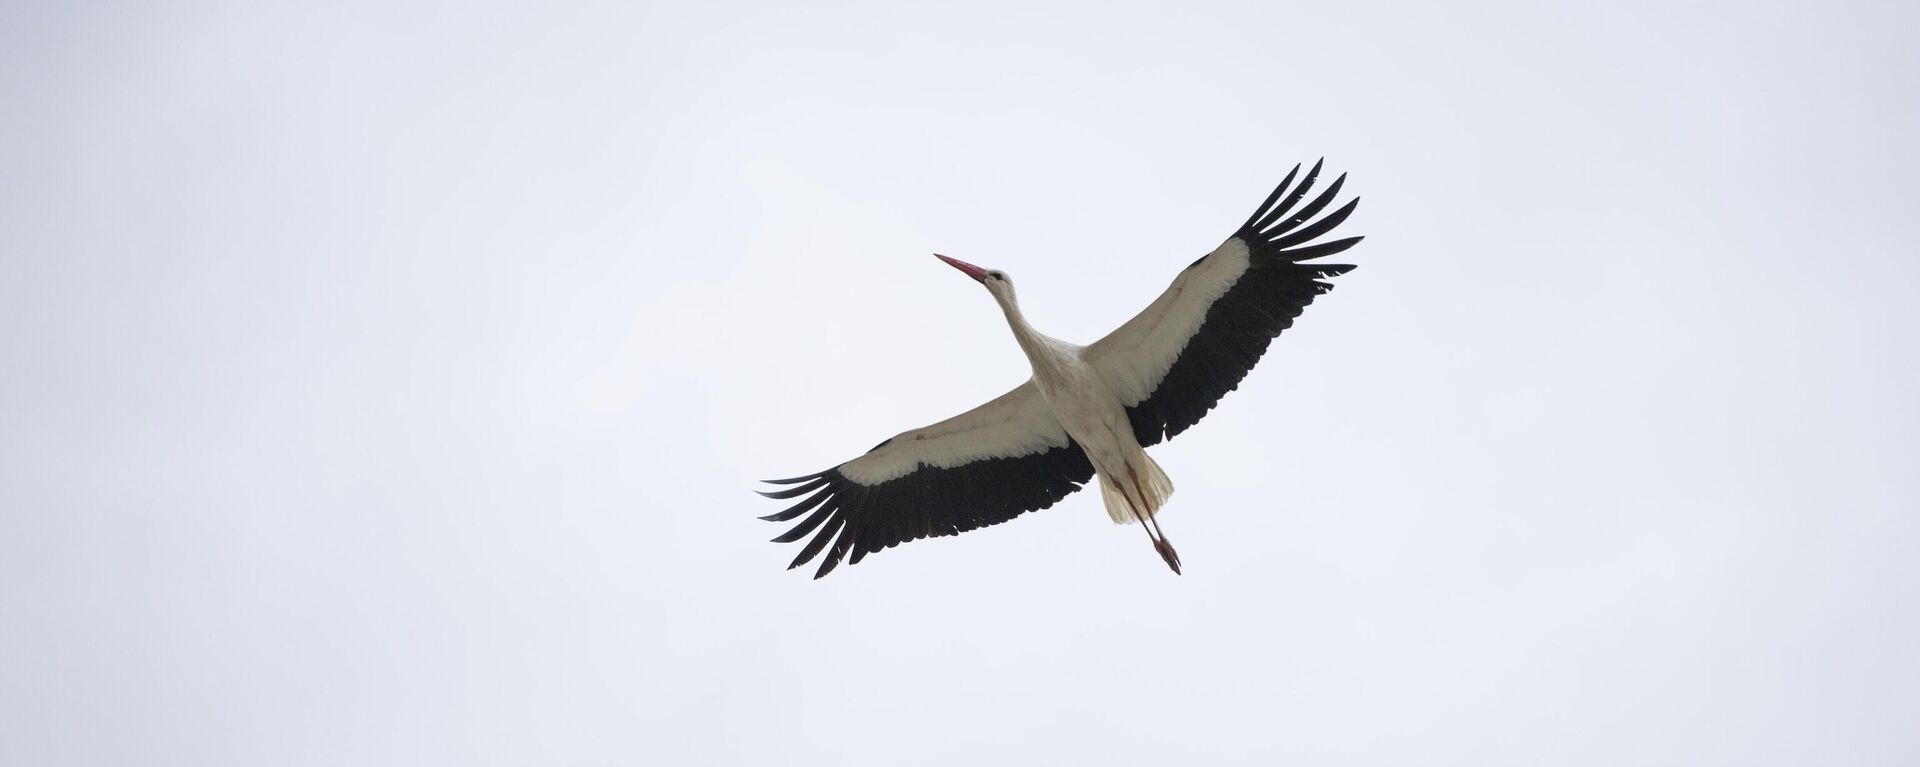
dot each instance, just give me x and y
(1118, 509)
(1153, 481)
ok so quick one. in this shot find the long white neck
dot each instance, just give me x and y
(1043, 352)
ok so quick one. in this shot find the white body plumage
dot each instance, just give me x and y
(1132, 484)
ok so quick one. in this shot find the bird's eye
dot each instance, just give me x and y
(996, 275)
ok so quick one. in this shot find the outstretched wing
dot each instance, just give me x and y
(1192, 345)
(982, 467)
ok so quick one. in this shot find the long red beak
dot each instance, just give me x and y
(978, 274)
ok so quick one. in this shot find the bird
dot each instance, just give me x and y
(1088, 413)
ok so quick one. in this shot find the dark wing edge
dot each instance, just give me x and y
(928, 502)
(1262, 303)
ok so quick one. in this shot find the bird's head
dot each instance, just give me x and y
(997, 282)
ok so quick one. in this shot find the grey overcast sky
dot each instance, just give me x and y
(383, 383)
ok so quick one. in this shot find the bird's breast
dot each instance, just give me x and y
(1091, 413)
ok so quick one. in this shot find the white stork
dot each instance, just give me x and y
(1088, 410)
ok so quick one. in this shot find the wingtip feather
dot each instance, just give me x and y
(796, 480)
(1293, 198)
(781, 495)
(1268, 203)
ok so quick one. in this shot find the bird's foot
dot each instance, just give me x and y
(1167, 553)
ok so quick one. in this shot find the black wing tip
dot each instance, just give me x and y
(1299, 255)
(820, 486)
(1274, 208)
(1267, 204)
(1287, 181)
(799, 479)
(1294, 238)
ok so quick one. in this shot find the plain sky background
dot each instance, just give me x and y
(383, 384)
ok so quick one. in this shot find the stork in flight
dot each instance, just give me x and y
(1088, 411)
